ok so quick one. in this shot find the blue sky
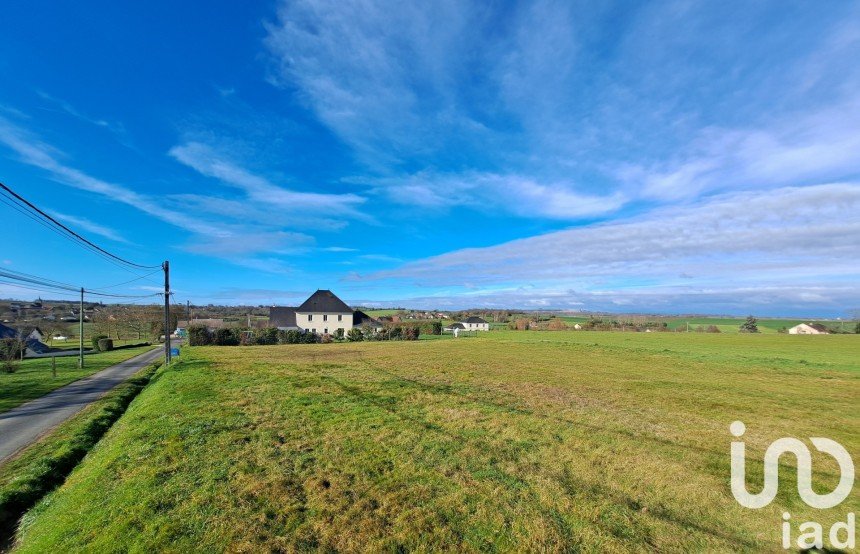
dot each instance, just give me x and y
(656, 157)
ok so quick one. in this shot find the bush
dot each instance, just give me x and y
(857, 328)
(267, 336)
(437, 328)
(105, 345)
(556, 324)
(412, 332)
(355, 335)
(225, 337)
(198, 335)
(750, 325)
(339, 334)
(712, 329)
(326, 338)
(395, 333)
(96, 340)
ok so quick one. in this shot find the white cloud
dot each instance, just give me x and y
(516, 194)
(809, 147)
(236, 241)
(89, 226)
(260, 190)
(790, 238)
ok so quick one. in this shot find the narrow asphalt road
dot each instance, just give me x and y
(21, 426)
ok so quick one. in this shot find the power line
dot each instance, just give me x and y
(129, 281)
(70, 232)
(56, 285)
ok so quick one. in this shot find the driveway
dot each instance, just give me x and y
(21, 426)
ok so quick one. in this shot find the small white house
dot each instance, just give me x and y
(809, 329)
(475, 323)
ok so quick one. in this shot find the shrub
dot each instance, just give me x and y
(355, 335)
(395, 333)
(105, 345)
(225, 337)
(96, 340)
(556, 324)
(326, 338)
(267, 336)
(750, 325)
(411, 333)
(198, 335)
(857, 328)
(339, 334)
(712, 329)
(437, 328)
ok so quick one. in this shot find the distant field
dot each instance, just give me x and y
(565, 441)
(725, 325)
(34, 377)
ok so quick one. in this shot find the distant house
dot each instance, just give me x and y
(7, 332)
(322, 313)
(36, 334)
(34, 345)
(809, 329)
(475, 323)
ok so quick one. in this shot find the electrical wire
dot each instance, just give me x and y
(70, 234)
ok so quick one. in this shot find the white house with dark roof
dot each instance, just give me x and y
(473, 323)
(809, 329)
(322, 313)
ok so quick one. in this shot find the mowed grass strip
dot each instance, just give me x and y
(34, 377)
(507, 442)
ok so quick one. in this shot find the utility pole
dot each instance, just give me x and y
(81, 331)
(166, 267)
(188, 313)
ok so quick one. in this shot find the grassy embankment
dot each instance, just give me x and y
(509, 441)
(34, 377)
(40, 467)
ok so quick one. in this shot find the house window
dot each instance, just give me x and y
(325, 330)
(340, 317)
(310, 317)
(325, 317)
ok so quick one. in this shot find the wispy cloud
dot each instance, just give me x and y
(788, 238)
(260, 190)
(89, 226)
(509, 194)
(235, 241)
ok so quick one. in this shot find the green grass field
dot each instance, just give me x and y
(724, 324)
(510, 441)
(34, 377)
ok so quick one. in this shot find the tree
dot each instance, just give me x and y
(857, 328)
(750, 325)
(11, 351)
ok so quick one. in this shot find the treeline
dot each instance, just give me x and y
(199, 335)
(599, 324)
